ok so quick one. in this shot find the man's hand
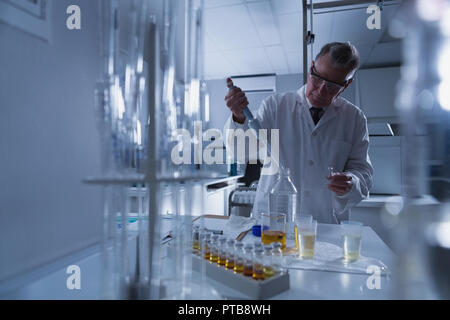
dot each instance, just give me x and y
(340, 183)
(236, 101)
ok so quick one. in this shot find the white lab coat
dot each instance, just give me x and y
(340, 140)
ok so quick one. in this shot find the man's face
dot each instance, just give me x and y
(317, 91)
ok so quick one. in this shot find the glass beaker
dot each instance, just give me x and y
(351, 238)
(307, 239)
(274, 228)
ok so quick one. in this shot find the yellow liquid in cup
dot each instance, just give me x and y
(307, 241)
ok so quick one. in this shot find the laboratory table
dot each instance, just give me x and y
(49, 282)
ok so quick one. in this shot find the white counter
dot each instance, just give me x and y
(304, 284)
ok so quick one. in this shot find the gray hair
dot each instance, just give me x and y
(343, 55)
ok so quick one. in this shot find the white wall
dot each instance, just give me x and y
(48, 142)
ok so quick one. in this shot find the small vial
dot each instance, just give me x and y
(229, 264)
(258, 265)
(248, 261)
(196, 239)
(214, 248)
(258, 244)
(267, 262)
(222, 249)
(239, 257)
(206, 239)
(277, 257)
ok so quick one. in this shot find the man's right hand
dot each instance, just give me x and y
(236, 101)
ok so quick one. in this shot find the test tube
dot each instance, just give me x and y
(214, 256)
(222, 250)
(206, 239)
(229, 264)
(248, 260)
(258, 264)
(268, 262)
(196, 238)
(277, 257)
(239, 257)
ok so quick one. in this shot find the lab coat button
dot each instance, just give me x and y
(311, 162)
(314, 134)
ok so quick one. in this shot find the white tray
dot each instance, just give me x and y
(255, 289)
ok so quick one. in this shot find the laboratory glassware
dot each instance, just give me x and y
(273, 228)
(258, 263)
(248, 260)
(239, 257)
(307, 238)
(277, 257)
(351, 239)
(283, 198)
(230, 253)
(268, 262)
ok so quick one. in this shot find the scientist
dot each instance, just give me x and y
(318, 129)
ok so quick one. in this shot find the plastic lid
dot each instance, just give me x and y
(256, 230)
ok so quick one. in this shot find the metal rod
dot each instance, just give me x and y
(343, 3)
(305, 45)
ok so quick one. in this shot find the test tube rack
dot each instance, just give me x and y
(255, 289)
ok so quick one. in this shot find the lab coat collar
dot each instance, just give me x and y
(330, 113)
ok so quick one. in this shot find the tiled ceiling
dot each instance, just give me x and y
(245, 37)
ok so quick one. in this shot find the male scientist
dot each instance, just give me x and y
(318, 129)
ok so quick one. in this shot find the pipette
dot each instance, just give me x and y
(254, 124)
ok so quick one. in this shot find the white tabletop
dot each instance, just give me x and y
(304, 284)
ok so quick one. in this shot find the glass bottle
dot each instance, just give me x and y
(248, 260)
(222, 250)
(258, 263)
(229, 264)
(267, 262)
(239, 257)
(277, 257)
(283, 199)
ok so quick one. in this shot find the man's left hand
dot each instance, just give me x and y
(340, 183)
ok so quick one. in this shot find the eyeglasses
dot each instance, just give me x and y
(331, 86)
